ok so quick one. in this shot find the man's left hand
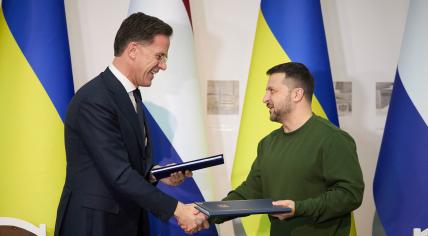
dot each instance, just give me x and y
(176, 178)
(285, 203)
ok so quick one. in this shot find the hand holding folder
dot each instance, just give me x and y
(165, 171)
(239, 208)
(174, 179)
(285, 203)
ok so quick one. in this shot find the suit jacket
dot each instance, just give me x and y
(106, 190)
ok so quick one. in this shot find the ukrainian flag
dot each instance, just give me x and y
(287, 30)
(35, 88)
(400, 186)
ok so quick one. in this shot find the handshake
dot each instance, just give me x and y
(190, 219)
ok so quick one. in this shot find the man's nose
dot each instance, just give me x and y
(162, 65)
(265, 98)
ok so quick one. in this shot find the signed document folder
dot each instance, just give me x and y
(166, 171)
(237, 208)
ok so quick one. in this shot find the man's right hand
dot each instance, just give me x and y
(190, 219)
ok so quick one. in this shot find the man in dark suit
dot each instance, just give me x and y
(108, 188)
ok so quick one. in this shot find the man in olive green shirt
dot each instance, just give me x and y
(308, 165)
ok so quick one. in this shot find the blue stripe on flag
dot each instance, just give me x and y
(188, 192)
(400, 185)
(41, 32)
(298, 27)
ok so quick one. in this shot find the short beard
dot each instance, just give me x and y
(285, 109)
(275, 117)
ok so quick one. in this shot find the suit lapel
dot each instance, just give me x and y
(125, 105)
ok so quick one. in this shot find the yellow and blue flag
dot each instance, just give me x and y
(35, 88)
(287, 30)
(400, 185)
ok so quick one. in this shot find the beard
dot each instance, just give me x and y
(279, 114)
(274, 116)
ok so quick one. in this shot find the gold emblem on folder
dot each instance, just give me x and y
(222, 205)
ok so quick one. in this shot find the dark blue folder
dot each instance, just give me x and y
(166, 171)
(237, 208)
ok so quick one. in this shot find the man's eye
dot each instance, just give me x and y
(161, 58)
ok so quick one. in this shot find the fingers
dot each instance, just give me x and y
(177, 178)
(278, 216)
(152, 179)
(203, 216)
(188, 173)
(284, 203)
(195, 211)
(194, 222)
(205, 225)
(179, 175)
(196, 227)
(174, 179)
(191, 229)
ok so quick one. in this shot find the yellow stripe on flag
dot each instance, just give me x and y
(32, 154)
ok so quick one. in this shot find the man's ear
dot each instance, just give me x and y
(298, 94)
(131, 50)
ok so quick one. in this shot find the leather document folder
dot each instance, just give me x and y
(165, 171)
(238, 208)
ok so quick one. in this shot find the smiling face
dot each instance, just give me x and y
(278, 97)
(147, 59)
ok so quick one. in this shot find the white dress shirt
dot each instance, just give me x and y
(127, 84)
(129, 87)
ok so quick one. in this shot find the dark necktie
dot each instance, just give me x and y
(140, 113)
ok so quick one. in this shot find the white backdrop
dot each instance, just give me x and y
(363, 40)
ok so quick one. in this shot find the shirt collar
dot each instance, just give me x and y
(129, 86)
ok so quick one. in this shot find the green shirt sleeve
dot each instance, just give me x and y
(342, 173)
(251, 188)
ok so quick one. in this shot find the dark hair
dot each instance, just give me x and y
(139, 27)
(299, 74)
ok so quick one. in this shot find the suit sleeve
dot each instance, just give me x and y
(99, 128)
